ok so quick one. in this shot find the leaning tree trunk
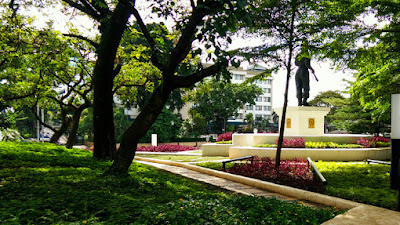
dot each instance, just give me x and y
(58, 133)
(139, 128)
(104, 73)
(64, 127)
(74, 129)
(285, 102)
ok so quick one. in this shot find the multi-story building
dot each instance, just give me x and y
(263, 106)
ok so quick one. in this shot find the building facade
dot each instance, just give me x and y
(263, 103)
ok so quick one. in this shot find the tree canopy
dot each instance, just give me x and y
(217, 100)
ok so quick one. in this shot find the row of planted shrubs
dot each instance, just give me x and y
(295, 173)
(301, 143)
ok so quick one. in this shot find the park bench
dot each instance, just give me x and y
(236, 159)
(317, 173)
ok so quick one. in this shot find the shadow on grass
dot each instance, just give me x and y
(42, 183)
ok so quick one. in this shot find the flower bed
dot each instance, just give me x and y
(301, 143)
(374, 142)
(225, 136)
(294, 173)
(166, 148)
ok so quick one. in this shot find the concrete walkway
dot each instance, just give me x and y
(358, 214)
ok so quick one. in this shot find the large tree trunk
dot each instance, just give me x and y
(103, 123)
(139, 128)
(74, 129)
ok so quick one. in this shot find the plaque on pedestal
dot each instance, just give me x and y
(304, 120)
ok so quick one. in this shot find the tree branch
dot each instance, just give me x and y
(85, 8)
(149, 39)
(185, 82)
(183, 46)
(93, 43)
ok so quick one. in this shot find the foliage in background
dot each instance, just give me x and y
(332, 99)
(46, 183)
(122, 122)
(8, 134)
(217, 100)
(167, 127)
(167, 148)
(196, 126)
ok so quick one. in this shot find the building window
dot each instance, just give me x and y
(259, 99)
(249, 107)
(265, 108)
(267, 90)
(269, 81)
(267, 99)
(266, 117)
(238, 77)
(258, 107)
(258, 116)
(240, 116)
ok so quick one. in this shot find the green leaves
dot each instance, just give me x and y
(217, 100)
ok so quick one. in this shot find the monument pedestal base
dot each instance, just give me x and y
(304, 120)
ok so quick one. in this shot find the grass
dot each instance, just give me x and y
(360, 182)
(45, 183)
(365, 183)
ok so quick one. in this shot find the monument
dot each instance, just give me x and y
(304, 120)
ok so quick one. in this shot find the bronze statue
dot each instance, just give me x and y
(302, 79)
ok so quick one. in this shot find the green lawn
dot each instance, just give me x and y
(45, 183)
(366, 183)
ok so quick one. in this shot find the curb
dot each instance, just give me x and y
(280, 189)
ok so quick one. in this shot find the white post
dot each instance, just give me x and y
(153, 139)
(38, 123)
(42, 127)
(395, 137)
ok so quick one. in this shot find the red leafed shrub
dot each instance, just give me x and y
(372, 143)
(380, 139)
(225, 136)
(294, 173)
(166, 148)
(293, 143)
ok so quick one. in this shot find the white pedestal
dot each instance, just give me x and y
(304, 120)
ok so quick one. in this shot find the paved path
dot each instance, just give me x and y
(226, 184)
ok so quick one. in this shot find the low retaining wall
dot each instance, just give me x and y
(335, 154)
(213, 149)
